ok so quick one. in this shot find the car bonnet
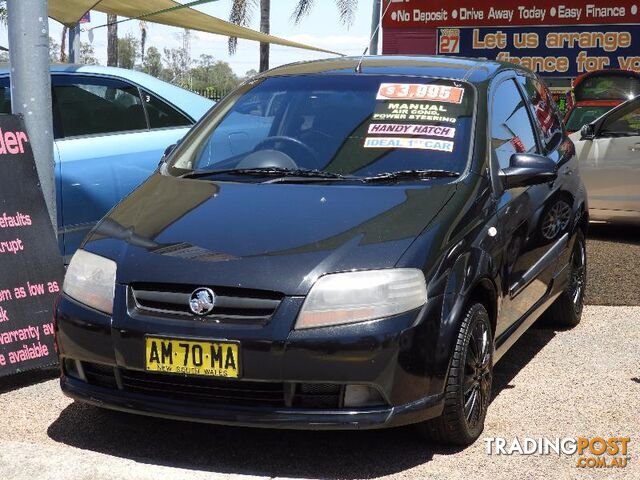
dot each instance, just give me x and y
(278, 237)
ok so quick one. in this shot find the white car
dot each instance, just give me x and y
(608, 151)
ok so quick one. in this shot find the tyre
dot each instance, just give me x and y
(567, 309)
(468, 388)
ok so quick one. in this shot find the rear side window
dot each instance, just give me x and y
(5, 96)
(544, 109)
(163, 115)
(511, 129)
(95, 106)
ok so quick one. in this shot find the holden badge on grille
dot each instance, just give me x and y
(202, 301)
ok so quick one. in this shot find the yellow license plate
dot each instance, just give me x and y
(213, 359)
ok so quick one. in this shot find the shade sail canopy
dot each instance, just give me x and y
(69, 12)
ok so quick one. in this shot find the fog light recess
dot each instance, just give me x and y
(362, 396)
(73, 369)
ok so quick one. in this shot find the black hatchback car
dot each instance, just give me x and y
(336, 245)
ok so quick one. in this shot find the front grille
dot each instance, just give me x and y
(212, 391)
(231, 304)
(204, 390)
(317, 395)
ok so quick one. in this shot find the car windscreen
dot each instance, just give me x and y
(582, 115)
(356, 125)
(608, 86)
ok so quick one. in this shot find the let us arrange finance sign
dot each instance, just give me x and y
(31, 268)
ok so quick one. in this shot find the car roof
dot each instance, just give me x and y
(473, 70)
(190, 103)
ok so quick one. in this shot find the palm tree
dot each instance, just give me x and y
(143, 38)
(241, 14)
(112, 40)
(63, 44)
(346, 9)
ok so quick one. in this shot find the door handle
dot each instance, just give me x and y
(635, 148)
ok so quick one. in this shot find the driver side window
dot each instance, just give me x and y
(511, 128)
(623, 123)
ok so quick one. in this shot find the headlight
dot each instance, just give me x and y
(359, 296)
(91, 280)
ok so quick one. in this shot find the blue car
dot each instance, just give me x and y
(111, 127)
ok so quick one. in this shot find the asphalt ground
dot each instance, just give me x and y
(552, 383)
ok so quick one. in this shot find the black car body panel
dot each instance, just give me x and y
(472, 238)
(228, 229)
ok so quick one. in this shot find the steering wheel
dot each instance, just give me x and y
(271, 141)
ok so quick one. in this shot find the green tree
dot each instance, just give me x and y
(212, 74)
(54, 50)
(178, 66)
(250, 73)
(128, 49)
(152, 63)
(88, 54)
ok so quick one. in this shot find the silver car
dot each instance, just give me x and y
(608, 151)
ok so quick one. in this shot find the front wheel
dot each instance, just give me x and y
(468, 388)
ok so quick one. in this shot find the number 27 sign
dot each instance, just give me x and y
(449, 41)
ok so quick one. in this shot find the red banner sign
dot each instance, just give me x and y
(471, 13)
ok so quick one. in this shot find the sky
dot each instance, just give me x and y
(320, 28)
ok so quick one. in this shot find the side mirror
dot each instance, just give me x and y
(167, 152)
(528, 169)
(588, 132)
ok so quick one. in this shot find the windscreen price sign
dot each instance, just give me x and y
(557, 51)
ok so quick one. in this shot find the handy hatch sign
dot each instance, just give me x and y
(31, 268)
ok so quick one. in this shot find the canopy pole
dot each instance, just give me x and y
(375, 27)
(28, 24)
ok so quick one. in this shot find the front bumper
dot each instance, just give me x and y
(393, 356)
(417, 411)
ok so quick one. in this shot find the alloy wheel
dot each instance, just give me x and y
(577, 279)
(556, 220)
(477, 376)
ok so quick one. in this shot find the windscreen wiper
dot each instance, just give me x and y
(410, 175)
(264, 172)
